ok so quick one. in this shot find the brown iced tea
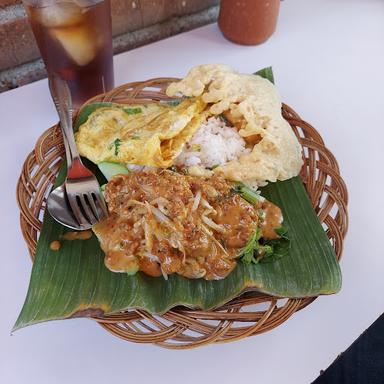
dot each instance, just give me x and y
(74, 38)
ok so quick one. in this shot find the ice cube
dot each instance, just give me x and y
(78, 42)
(62, 14)
(86, 3)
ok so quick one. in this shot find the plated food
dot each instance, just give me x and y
(200, 210)
(178, 210)
(164, 222)
(230, 124)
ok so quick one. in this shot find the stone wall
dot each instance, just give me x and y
(135, 23)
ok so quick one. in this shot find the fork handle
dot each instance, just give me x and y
(62, 99)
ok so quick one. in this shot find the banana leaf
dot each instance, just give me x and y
(74, 282)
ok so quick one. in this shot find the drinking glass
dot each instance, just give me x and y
(75, 41)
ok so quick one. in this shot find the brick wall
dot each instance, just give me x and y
(135, 22)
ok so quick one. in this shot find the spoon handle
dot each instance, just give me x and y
(61, 96)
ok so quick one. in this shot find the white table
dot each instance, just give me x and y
(328, 58)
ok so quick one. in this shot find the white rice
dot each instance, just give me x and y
(213, 144)
(139, 168)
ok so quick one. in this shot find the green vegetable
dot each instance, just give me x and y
(280, 247)
(261, 251)
(267, 73)
(256, 250)
(87, 110)
(116, 144)
(247, 254)
(247, 193)
(110, 169)
(132, 111)
(174, 103)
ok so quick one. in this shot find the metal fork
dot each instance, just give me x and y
(81, 186)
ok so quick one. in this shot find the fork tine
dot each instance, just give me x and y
(101, 203)
(93, 205)
(77, 211)
(88, 212)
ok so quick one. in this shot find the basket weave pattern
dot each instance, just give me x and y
(182, 328)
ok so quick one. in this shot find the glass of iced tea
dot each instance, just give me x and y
(75, 41)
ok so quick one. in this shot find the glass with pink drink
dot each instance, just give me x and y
(74, 38)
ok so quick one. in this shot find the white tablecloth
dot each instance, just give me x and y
(328, 59)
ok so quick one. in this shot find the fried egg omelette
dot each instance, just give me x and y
(155, 134)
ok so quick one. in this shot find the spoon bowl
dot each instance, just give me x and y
(59, 208)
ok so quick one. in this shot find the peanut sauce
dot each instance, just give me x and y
(73, 235)
(81, 235)
(164, 222)
(55, 245)
(273, 220)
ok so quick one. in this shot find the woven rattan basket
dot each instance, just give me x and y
(182, 328)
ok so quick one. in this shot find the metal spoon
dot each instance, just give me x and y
(58, 207)
(57, 203)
